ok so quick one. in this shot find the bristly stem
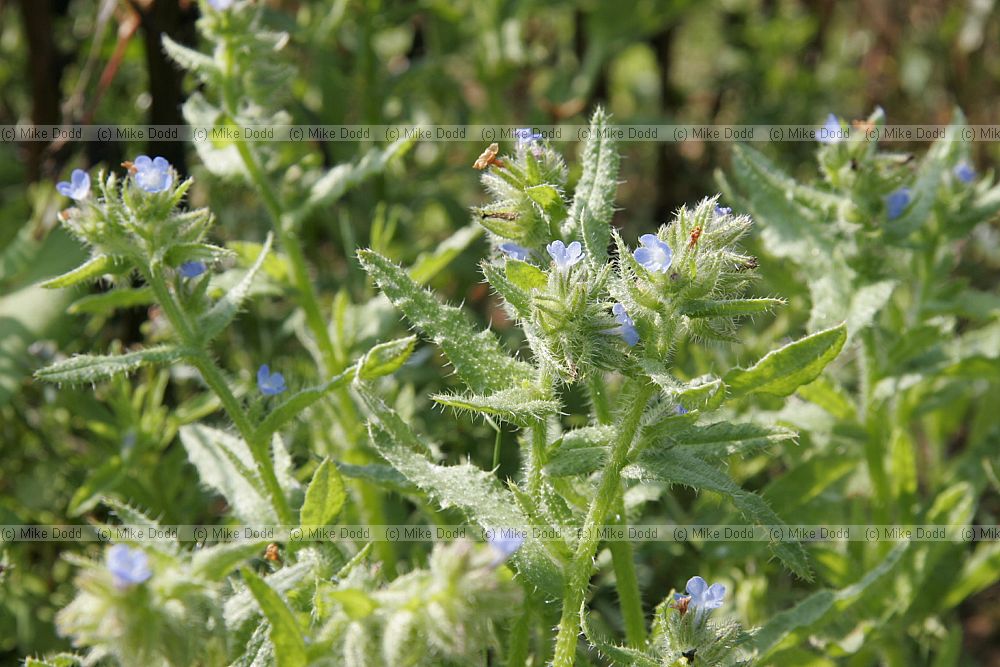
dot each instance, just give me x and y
(607, 492)
(213, 377)
(626, 581)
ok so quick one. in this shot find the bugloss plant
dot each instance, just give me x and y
(904, 431)
(609, 323)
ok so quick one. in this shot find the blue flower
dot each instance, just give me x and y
(220, 5)
(897, 202)
(515, 251)
(704, 598)
(680, 410)
(504, 542)
(78, 187)
(655, 255)
(127, 566)
(563, 255)
(152, 175)
(721, 211)
(271, 384)
(192, 269)
(831, 132)
(627, 329)
(527, 139)
(963, 171)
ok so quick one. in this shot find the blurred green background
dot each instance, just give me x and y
(442, 62)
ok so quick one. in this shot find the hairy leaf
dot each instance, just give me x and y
(594, 201)
(518, 406)
(677, 466)
(324, 497)
(225, 464)
(476, 355)
(93, 368)
(225, 309)
(477, 493)
(289, 644)
(386, 358)
(782, 371)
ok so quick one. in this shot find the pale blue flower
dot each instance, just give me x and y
(964, 172)
(655, 255)
(220, 5)
(703, 598)
(897, 202)
(627, 329)
(830, 132)
(680, 410)
(527, 139)
(271, 384)
(78, 187)
(721, 211)
(152, 175)
(192, 269)
(128, 566)
(515, 251)
(565, 256)
(505, 543)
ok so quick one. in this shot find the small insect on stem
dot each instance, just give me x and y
(488, 157)
(499, 215)
(131, 167)
(748, 264)
(695, 235)
(271, 553)
(689, 656)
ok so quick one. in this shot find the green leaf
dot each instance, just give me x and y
(386, 358)
(97, 484)
(93, 368)
(728, 307)
(512, 294)
(866, 302)
(92, 269)
(108, 301)
(525, 276)
(225, 309)
(324, 497)
(335, 183)
(289, 644)
(677, 466)
(516, 405)
(724, 438)
(782, 371)
(193, 61)
(428, 265)
(550, 200)
(226, 465)
(476, 355)
(475, 492)
(701, 393)
(215, 563)
(580, 451)
(814, 607)
(829, 396)
(594, 200)
(292, 406)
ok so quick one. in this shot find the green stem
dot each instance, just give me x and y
(538, 438)
(284, 228)
(583, 560)
(214, 379)
(599, 398)
(520, 638)
(289, 241)
(626, 581)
